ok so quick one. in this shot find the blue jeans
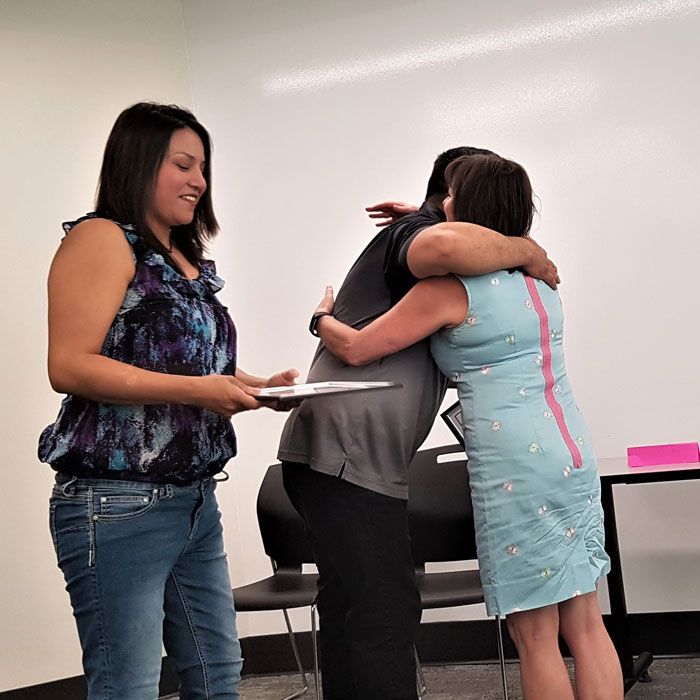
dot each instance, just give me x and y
(144, 566)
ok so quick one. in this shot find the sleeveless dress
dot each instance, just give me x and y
(533, 472)
(166, 323)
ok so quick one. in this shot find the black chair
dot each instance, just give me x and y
(441, 524)
(285, 542)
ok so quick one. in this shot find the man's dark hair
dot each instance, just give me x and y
(135, 150)
(437, 185)
(493, 192)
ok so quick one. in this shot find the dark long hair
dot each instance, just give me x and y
(493, 192)
(135, 149)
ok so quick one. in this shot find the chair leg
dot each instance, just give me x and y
(297, 658)
(420, 678)
(502, 658)
(314, 641)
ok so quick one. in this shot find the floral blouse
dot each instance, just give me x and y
(167, 323)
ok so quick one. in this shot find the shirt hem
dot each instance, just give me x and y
(341, 471)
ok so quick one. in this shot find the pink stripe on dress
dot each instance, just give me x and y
(552, 402)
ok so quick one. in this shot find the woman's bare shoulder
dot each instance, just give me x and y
(96, 242)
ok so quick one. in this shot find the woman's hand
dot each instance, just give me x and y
(285, 378)
(224, 394)
(327, 303)
(390, 211)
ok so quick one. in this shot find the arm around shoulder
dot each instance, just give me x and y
(465, 249)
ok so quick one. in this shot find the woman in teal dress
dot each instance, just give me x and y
(535, 484)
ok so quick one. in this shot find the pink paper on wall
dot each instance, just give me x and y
(679, 453)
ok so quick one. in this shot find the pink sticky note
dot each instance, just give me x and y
(679, 453)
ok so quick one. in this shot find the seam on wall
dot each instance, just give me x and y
(187, 55)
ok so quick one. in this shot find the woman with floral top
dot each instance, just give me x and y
(146, 354)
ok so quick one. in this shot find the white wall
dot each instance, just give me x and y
(600, 109)
(319, 108)
(68, 69)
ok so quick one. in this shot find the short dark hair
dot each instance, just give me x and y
(493, 192)
(135, 150)
(437, 185)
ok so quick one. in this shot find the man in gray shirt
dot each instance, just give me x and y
(345, 460)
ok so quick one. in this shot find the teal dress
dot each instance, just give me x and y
(533, 472)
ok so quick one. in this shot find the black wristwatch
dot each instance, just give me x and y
(313, 326)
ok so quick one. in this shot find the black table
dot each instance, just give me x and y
(615, 471)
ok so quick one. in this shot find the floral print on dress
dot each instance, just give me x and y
(532, 513)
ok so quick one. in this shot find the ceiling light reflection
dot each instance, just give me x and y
(452, 51)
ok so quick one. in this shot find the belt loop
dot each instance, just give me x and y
(225, 476)
(68, 489)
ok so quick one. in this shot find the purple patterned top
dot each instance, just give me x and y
(166, 323)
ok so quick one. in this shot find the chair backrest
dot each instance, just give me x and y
(441, 520)
(282, 528)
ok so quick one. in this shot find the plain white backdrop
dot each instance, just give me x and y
(316, 110)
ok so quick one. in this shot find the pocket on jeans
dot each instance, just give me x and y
(122, 505)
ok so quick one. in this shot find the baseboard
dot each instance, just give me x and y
(663, 634)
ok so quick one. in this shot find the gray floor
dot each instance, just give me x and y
(672, 679)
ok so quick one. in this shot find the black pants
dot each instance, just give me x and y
(368, 602)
